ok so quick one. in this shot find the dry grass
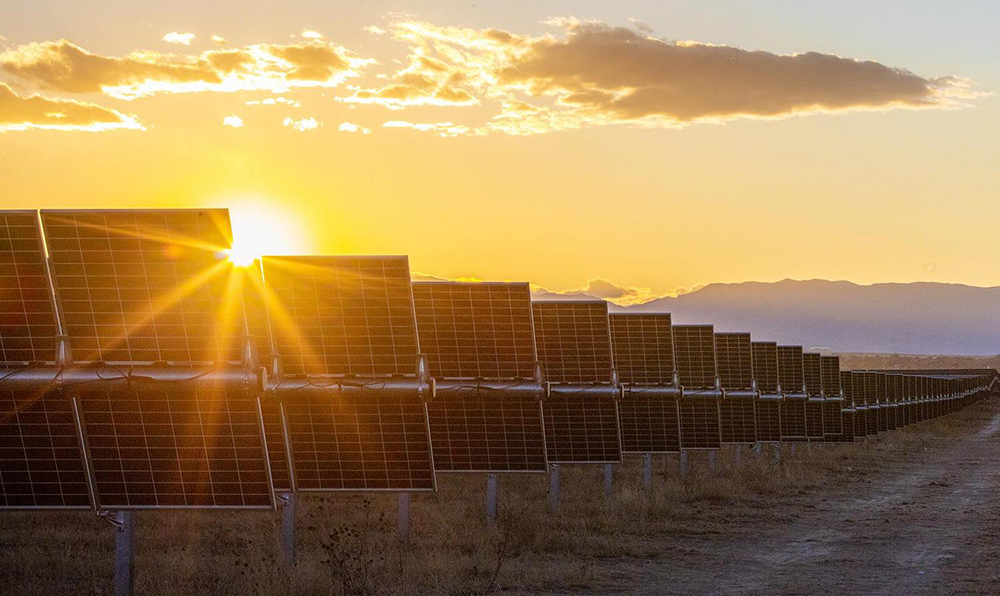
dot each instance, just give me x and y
(347, 543)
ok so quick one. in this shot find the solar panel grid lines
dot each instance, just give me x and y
(833, 420)
(849, 415)
(582, 427)
(649, 410)
(643, 347)
(481, 331)
(27, 316)
(41, 459)
(358, 438)
(765, 366)
(790, 371)
(830, 375)
(734, 359)
(700, 424)
(859, 389)
(649, 420)
(812, 373)
(768, 421)
(476, 330)
(573, 340)
(882, 397)
(145, 285)
(342, 315)
(495, 432)
(694, 355)
(169, 448)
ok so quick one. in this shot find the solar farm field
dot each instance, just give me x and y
(800, 526)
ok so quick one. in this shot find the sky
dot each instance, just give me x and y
(630, 149)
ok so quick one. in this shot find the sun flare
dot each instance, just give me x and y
(261, 229)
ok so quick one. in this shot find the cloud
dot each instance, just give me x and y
(443, 129)
(375, 30)
(219, 40)
(351, 127)
(310, 34)
(606, 290)
(302, 125)
(22, 113)
(596, 74)
(273, 101)
(64, 66)
(418, 276)
(182, 39)
(234, 121)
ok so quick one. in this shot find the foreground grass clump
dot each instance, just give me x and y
(348, 543)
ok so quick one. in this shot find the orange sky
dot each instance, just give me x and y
(511, 145)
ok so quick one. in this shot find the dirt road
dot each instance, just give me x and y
(920, 520)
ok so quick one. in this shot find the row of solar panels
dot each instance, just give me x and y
(370, 382)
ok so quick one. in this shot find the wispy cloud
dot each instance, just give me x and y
(36, 112)
(444, 129)
(65, 66)
(181, 39)
(603, 289)
(233, 121)
(352, 127)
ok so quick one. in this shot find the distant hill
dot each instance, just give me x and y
(889, 318)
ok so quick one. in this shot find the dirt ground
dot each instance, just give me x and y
(912, 512)
(907, 522)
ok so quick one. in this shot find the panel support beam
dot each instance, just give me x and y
(492, 496)
(647, 471)
(288, 502)
(609, 479)
(403, 518)
(554, 487)
(685, 467)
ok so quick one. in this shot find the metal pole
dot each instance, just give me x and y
(553, 487)
(791, 449)
(777, 452)
(684, 463)
(289, 504)
(403, 521)
(711, 459)
(609, 476)
(647, 471)
(758, 450)
(124, 553)
(492, 492)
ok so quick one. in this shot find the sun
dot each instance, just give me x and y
(259, 229)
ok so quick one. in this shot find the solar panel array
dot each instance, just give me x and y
(643, 348)
(573, 339)
(480, 331)
(737, 416)
(833, 420)
(27, 319)
(145, 286)
(476, 330)
(812, 376)
(649, 411)
(765, 372)
(152, 293)
(694, 356)
(168, 448)
(342, 315)
(793, 411)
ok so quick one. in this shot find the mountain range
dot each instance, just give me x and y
(905, 318)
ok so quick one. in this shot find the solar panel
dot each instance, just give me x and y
(812, 376)
(694, 356)
(849, 415)
(833, 420)
(573, 339)
(860, 404)
(41, 463)
(481, 331)
(342, 315)
(737, 411)
(146, 286)
(476, 330)
(765, 372)
(871, 402)
(793, 409)
(169, 448)
(27, 319)
(649, 412)
(581, 413)
(358, 438)
(882, 397)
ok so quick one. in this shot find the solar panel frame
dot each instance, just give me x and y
(833, 418)
(649, 409)
(812, 377)
(43, 464)
(342, 315)
(471, 332)
(848, 412)
(694, 357)
(573, 340)
(140, 286)
(768, 409)
(737, 410)
(28, 323)
(166, 448)
(793, 409)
